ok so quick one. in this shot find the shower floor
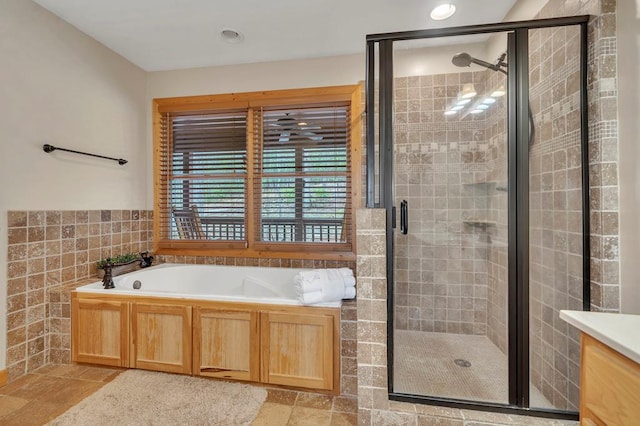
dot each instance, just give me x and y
(424, 365)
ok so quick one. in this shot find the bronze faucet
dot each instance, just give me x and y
(107, 280)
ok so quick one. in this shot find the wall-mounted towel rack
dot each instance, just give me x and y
(50, 148)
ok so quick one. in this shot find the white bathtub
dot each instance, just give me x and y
(209, 282)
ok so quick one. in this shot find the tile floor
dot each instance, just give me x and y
(424, 364)
(41, 396)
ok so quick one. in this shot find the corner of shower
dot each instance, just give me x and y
(492, 225)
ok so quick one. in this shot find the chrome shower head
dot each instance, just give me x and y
(463, 59)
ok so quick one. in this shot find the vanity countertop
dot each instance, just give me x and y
(620, 332)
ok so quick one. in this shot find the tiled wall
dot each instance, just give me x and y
(555, 194)
(497, 260)
(47, 249)
(441, 263)
(555, 213)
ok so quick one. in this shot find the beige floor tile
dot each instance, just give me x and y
(343, 419)
(8, 404)
(59, 390)
(16, 385)
(47, 369)
(345, 405)
(281, 396)
(35, 413)
(63, 370)
(98, 374)
(272, 414)
(303, 416)
(314, 400)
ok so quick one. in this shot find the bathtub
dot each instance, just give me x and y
(224, 322)
(209, 282)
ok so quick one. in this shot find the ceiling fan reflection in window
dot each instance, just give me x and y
(292, 128)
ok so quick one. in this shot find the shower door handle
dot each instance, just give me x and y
(404, 217)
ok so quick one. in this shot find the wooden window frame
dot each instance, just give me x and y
(254, 101)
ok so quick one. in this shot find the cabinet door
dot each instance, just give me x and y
(100, 332)
(161, 337)
(610, 386)
(225, 344)
(297, 349)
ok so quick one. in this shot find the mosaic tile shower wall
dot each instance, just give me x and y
(555, 192)
(440, 169)
(497, 212)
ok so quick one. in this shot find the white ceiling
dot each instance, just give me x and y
(174, 34)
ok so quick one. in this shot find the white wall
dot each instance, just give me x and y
(628, 32)
(61, 87)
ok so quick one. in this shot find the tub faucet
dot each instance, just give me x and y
(145, 259)
(107, 280)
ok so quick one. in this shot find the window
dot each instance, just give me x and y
(255, 173)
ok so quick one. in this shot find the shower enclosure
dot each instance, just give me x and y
(476, 140)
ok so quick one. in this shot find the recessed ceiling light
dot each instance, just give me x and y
(468, 91)
(498, 92)
(488, 101)
(450, 112)
(463, 101)
(482, 106)
(443, 11)
(302, 123)
(476, 111)
(231, 36)
(457, 108)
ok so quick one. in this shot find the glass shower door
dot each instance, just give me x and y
(450, 244)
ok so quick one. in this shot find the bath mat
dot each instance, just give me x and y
(138, 397)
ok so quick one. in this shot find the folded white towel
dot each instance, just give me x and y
(339, 275)
(332, 285)
(306, 286)
(324, 285)
(349, 293)
(311, 298)
(309, 275)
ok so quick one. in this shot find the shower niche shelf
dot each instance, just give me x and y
(483, 225)
(487, 186)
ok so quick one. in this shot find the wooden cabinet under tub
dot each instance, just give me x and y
(297, 349)
(296, 346)
(226, 344)
(161, 337)
(100, 332)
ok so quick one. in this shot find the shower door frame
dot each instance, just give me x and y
(518, 193)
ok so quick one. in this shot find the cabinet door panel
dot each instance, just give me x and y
(162, 337)
(100, 332)
(225, 344)
(297, 350)
(610, 387)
